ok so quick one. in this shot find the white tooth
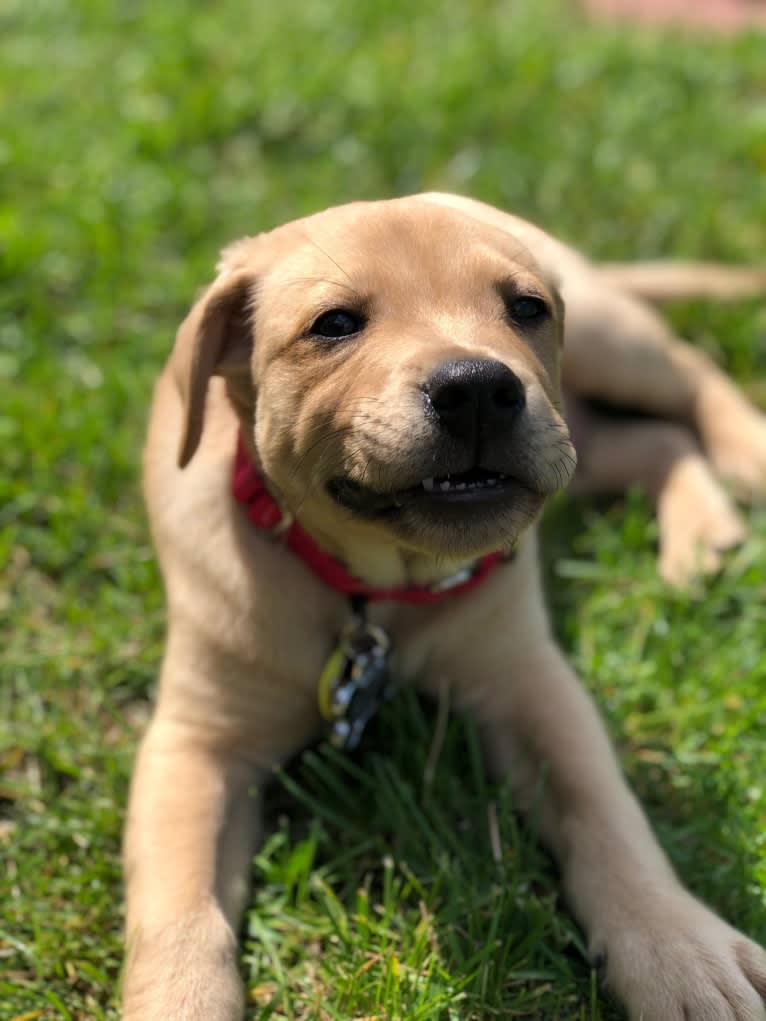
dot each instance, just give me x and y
(461, 485)
(428, 485)
(491, 482)
(444, 486)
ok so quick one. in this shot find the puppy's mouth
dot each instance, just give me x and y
(475, 488)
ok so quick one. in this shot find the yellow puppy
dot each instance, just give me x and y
(387, 377)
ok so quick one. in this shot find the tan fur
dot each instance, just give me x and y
(669, 281)
(250, 627)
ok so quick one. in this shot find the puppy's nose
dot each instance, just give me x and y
(473, 394)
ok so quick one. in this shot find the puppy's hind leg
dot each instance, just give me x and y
(696, 518)
(618, 350)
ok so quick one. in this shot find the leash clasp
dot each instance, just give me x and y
(355, 681)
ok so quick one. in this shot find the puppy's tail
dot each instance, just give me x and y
(670, 280)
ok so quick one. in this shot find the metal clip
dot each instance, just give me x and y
(458, 578)
(355, 682)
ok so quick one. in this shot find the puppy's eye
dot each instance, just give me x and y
(527, 309)
(337, 324)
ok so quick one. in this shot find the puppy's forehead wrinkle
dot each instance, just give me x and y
(308, 281)
(437, 254)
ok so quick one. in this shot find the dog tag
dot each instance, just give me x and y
(355, 682)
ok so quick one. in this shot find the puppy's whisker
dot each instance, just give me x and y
(327, 255)
(313, 484)
(351, 411)
(325, 438)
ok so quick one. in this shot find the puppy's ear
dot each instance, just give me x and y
(215, 339)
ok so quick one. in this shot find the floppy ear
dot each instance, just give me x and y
(215, 339)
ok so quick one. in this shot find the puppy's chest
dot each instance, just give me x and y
(382, 636)
(413, 633)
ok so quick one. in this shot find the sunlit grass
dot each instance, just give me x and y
(136, 142)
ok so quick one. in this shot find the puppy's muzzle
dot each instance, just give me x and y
(472, 406)
(472, 398)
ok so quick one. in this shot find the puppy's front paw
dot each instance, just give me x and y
(184, 972)
(685, 964)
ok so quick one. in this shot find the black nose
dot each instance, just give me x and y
(472, 395)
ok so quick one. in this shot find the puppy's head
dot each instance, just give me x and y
(397, 365)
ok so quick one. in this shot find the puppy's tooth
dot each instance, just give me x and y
(461, 485)
(428, 485)
(492, 482)
(444, 486)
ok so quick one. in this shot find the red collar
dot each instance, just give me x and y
(263, 510)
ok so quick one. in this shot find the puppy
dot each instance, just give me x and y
(356, 431)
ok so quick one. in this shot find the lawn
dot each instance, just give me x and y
(138, 138)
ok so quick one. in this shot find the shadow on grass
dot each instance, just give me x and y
(693, 796)
(381, 893)
(370, 863)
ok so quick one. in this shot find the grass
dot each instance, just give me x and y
(138, 139)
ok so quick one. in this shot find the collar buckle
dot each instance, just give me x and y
(458, 578)
(283, 526)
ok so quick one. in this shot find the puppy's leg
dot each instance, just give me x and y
(193, 821)
(663, 953)
(191, 828)
(696, 518)
(619, 350)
